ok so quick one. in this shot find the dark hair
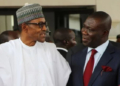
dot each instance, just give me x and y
(99, 14)
(6, 32)
(61, 34)
(3, 38)
(118, 36)
(104, 17)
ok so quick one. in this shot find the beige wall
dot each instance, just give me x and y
(115, 30)
(112, 7)
(47, 2)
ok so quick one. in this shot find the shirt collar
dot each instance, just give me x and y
(62, 49)
(101, 48)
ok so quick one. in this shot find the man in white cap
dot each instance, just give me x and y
(27, 62)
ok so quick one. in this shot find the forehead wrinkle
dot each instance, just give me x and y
(91, 22)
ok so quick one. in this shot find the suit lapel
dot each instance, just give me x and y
(81, 61)
(105, 59)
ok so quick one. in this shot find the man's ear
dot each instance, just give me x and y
(106, 32)
(24, 27)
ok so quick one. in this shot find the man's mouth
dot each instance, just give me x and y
(43, 33)
(84, 39)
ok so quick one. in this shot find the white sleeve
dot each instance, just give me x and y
(5, 70)
(62, 69)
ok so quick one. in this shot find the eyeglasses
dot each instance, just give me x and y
(41, 24)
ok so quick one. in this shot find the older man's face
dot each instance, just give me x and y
(92, 33)
(37, 29)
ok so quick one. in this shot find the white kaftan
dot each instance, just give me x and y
(38, 65)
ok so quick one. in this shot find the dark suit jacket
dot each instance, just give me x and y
(74, 50)
(80, 47)
(115, 44)
(111, 58)
(62, 52)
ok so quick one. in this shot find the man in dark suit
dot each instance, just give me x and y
(64, 39)
(99, 63)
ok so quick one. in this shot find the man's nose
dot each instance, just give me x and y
(84, 31)
(44, 28)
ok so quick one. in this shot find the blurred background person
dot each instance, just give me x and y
(118, 38)
(64, 39)
(48, 38)
(8, 35)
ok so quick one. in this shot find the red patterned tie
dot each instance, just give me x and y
(89, 68)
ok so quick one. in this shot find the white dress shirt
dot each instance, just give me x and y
(100, 50)
(60, 48)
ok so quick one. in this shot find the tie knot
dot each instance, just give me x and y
(94, 51)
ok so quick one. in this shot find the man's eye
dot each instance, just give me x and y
(40, 23)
